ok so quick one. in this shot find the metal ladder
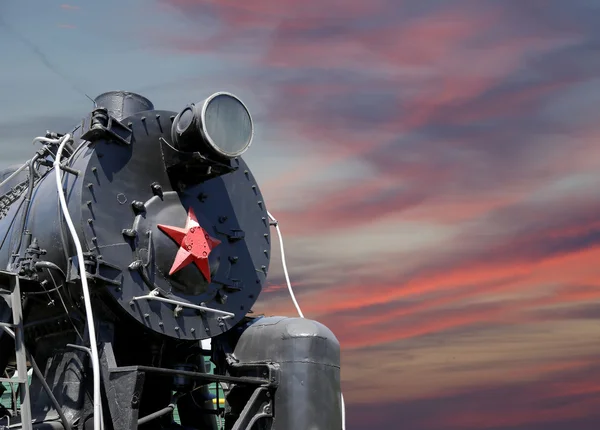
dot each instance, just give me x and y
(10, 288)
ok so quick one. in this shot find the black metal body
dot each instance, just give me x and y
(122, 178)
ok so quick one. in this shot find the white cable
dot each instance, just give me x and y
(291, 290)
(84, 286)
(24, 166)
(45, 140)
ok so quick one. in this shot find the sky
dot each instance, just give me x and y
(434, 166)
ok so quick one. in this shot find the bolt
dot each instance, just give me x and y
(138, 206)
(135, 265)
(156, 189)
(129, 232)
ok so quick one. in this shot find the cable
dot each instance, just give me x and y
(291, 290)
(84, 286)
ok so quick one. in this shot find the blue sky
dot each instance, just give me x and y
(434, 165)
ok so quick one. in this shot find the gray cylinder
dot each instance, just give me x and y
(121, 104)
(309, 393)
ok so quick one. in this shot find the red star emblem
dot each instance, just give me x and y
(195, 244)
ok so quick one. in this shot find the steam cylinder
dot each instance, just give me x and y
(308, 354)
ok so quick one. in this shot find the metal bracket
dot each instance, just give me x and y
(99, 124)
(258, 407)
(270, 372)
(96, 269)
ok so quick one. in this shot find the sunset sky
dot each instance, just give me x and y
(434, 165)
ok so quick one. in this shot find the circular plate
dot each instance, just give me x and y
(129, 196)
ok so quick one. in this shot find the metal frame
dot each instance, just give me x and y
(14, 292)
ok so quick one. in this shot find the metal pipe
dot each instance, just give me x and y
(157, 414)
(15, 173)
(205, 376)
(154, 296)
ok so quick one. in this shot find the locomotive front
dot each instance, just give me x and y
(146, 230)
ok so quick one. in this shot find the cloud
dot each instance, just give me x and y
(516, 407)
(438, 195)
(68, 26)
(69, 7)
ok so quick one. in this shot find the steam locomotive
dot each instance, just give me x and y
(125, 245)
